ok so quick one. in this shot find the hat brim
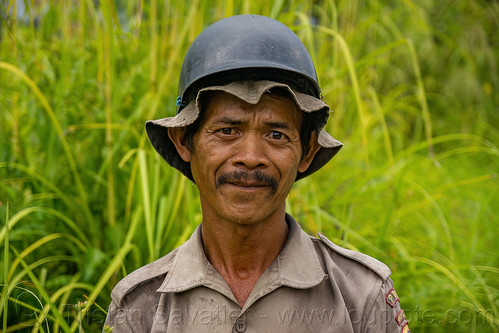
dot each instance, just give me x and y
(250, 92)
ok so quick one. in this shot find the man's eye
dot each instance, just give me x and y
(276, 135)
(226, 131)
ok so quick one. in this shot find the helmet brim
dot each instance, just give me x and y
(250, 92)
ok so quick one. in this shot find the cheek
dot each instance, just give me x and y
(205, 163)
(287, 158)
(287, 166)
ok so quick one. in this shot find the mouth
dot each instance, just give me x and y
(247, 187)
(247, 184)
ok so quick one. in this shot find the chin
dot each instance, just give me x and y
(250, 213)
(243, 218)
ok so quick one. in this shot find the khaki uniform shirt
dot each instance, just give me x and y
(312, 286)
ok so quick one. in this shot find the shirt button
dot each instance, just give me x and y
(240, 326)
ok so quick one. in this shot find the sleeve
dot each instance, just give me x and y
(134, 313)
(118, 321)
(387, 314)
(133, 306)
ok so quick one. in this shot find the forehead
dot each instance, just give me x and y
(271, 106)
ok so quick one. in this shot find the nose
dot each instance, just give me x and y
(249, 152)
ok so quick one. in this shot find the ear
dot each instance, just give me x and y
(313, 148)
(179, 139)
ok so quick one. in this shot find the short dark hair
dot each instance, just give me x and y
(311, 121)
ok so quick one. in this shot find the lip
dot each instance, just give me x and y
(247, 186)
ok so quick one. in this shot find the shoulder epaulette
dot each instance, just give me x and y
(142, 275)
(375, 265)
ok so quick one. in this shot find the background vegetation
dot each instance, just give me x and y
(84, 199)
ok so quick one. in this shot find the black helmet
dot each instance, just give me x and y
(260, 48)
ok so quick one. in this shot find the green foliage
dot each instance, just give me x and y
(84, 199)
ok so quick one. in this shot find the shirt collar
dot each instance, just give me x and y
(297, 265)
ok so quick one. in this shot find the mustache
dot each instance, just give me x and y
(257, 176)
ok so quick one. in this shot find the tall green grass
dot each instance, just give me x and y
(84, 199)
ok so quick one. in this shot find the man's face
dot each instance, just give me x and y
(245, 158)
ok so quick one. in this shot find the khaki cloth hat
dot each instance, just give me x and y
(250, 92)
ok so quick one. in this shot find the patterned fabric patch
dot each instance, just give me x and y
(405, 329)
(391, 297)
(400, 317)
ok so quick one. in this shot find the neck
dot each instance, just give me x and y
(242, 252)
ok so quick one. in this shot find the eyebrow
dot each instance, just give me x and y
(227, 120)
(231, 121)
(276, 124)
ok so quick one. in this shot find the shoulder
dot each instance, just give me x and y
(352, 259)
(149, 276)
(364, 283)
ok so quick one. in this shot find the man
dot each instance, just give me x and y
(248, 125)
